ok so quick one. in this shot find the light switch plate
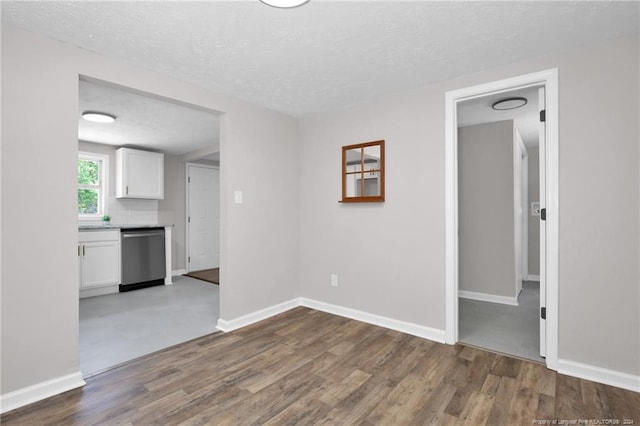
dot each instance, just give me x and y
(237, 197)
(334, 280)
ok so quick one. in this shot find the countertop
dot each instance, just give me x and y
(115, 226)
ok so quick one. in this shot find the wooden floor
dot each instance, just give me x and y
(307, 367)
(209, 275)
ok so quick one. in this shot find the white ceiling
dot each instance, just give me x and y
(308, 59)
(324, 55)
(145, 122)
(526, 119)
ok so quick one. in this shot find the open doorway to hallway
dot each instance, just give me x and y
(498, 223)
(548, 207)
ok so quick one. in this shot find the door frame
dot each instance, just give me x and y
(186, 208)
(549, 79)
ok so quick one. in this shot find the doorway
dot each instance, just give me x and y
(117, 327)
(548, 202)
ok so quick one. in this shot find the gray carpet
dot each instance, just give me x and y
(512, 330)
(119, 327)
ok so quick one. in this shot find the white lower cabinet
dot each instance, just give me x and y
(99, 262)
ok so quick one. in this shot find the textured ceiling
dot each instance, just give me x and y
(323, 55)
(145, 122)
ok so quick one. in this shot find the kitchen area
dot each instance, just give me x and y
(135, 155)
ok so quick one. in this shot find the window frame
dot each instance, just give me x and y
(103, 188)
(379, 198)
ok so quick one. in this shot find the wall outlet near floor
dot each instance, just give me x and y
(334, 280)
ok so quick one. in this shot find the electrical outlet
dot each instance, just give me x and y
(334, 280)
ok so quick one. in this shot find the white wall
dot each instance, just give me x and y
(390, 257)
(485, 209)
(39, 264)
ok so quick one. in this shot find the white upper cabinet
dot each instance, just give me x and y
(139, 174)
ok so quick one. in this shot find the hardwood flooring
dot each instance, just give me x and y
(308, 367)
(209, 275)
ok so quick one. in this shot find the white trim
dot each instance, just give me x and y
(99, 291)
(253, 317)
(533, 277)
(30, 394)
(486, 297)
(104, 184)
(599, 374)
(366, 317)
(168, 257)
(390, 323)
(177, 272)
(520, 229)
(548, 78)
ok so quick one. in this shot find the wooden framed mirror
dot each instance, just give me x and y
(363, 172)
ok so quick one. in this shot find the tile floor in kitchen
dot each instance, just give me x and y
(119, 327)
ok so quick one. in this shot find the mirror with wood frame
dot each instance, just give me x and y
(363, 172)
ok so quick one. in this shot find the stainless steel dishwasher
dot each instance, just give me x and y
(143, 258)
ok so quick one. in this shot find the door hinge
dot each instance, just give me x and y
(543, 115)
(189, 259)
(543, 313)
(189, 219)
(189, 179)
(543, 214)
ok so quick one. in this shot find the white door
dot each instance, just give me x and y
(543, 205)
(203, 217)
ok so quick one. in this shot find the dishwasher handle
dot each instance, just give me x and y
(142, 234)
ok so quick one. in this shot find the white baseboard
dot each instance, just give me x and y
(178, 272)
(245, 320)
(390, 323)
(485, 297)
(533, 277)
(600, 375)
(99, 291)
(39, 391)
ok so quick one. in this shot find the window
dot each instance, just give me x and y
(92, 187)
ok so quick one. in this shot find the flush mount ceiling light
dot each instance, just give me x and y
(98, 117)
(284, 3)
(509, 103)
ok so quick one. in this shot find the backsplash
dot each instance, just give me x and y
(131, 211)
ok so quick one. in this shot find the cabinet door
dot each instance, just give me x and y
(140, 174)
(100, 264)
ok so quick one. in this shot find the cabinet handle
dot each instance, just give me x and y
(78, 249)
(84, 252)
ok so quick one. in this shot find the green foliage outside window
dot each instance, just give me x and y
(88, 186)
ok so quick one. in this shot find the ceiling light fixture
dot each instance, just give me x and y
(98, 117)
(509, 103)
(284, 3)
